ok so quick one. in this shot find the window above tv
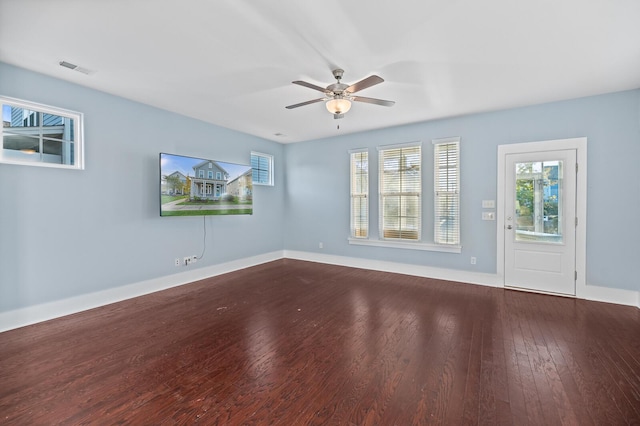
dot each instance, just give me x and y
(41, 135)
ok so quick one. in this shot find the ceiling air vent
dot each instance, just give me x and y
(75, 67)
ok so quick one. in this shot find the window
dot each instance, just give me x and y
(359, 193)
(400, 189)
(201, 173)
(41, 135)
(446, 178)
(210, 175)
(218, 175)
(262, 165)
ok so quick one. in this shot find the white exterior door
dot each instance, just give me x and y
(540, 221)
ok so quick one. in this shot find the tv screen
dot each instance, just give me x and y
(191, 186)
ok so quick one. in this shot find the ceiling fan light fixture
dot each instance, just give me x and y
(338, 105)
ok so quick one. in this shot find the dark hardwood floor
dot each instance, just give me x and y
(298, 343)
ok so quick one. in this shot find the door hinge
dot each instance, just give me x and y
(576, 167)
(576, 220)
(575, 276)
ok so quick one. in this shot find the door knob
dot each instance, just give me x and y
(509, 227)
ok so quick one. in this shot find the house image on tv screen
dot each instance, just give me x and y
(176, 184)
(209, 181)
(242, 186)
(192, 186)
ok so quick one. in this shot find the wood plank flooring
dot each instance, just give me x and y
(301, 343)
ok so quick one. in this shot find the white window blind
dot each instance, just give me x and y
(447, 191)
(359, 194)
(400, 190)
(262, 165)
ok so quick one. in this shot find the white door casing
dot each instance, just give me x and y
(520, 268)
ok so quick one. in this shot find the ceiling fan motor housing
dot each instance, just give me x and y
(337, 88)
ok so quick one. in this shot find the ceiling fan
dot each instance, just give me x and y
(338, 96)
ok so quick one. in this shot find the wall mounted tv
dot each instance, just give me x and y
(192, 186)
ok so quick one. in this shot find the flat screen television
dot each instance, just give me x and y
(191, 186)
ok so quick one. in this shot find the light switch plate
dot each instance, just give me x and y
(488, 216)
(488, 204)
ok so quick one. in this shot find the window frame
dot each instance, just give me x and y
(41, 109)
(378, 241)
(451, 190)
(269, 158)
(382, 196)
(355, 230)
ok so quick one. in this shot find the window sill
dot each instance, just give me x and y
(406, 245)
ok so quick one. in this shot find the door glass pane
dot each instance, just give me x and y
(538, 205)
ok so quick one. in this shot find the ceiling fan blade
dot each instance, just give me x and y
(305, 103)
(373, 101)
(363, 84)
(311, 86)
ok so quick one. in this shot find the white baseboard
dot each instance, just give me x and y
(589, 292)
(399, 268)
(46, 311)
(611, 295)
(34, 314)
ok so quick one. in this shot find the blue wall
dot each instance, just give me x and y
(66, 232)
(317, 196)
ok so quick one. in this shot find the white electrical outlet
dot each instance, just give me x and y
(177, 261)
(187, 260)
(194, 258)
(473, 260)
(320, 245)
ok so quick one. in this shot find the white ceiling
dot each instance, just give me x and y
(232, 62)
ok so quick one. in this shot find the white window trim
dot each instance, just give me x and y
(270, 158)
(420, 198)
(442, 141)
(410, 245)
(351, 227)
(78, 142)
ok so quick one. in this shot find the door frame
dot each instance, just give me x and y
(578, 144)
